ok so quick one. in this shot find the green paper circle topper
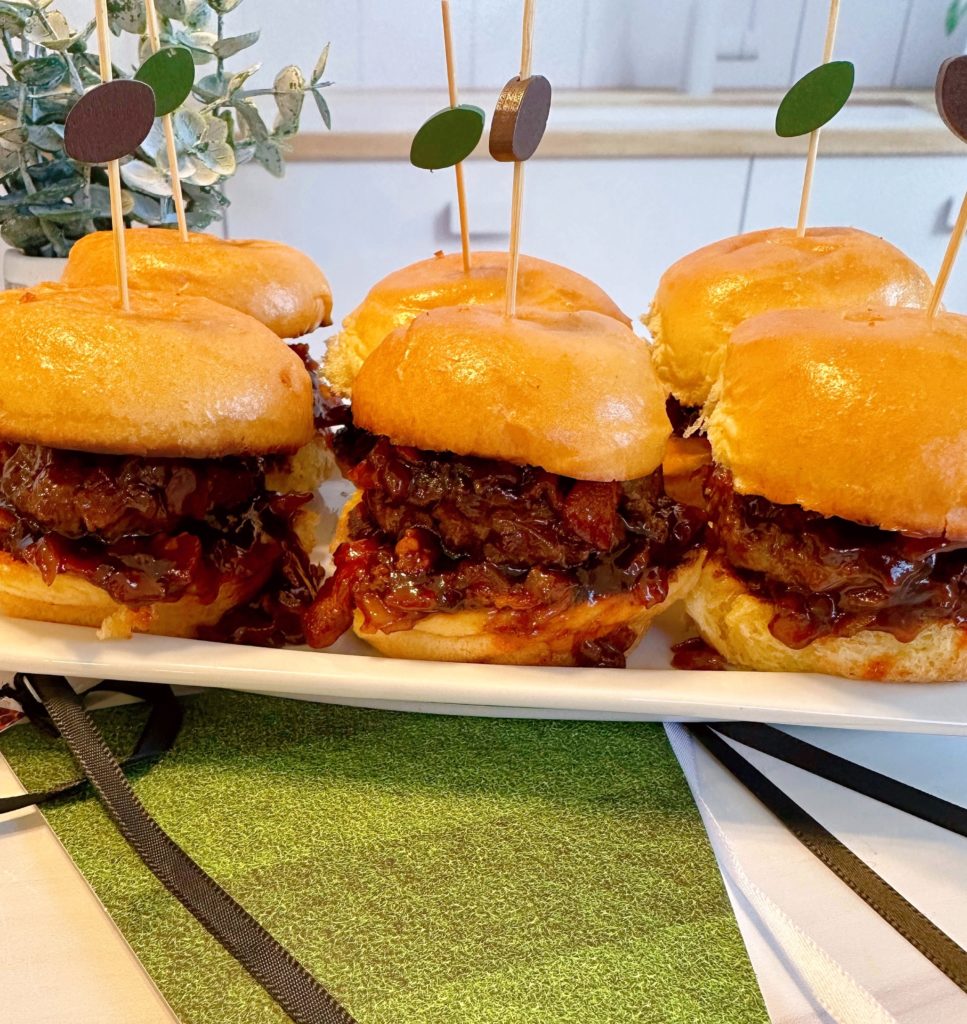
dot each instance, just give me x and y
(448, 137)
(171, 73)
(815, 99)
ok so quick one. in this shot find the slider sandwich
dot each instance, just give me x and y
(510, 505)
(706, 295)
(441, 281)
(273, 283)
(145, 462)
(703, 297)
(838, 500)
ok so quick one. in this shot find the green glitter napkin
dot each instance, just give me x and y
(429, 870)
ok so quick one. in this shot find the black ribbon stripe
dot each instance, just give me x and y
(270, 964)
(833, 768)
(157, 737)
(938, 947)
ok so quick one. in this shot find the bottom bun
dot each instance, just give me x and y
(75, 602)
(464, 636)
(736, 624)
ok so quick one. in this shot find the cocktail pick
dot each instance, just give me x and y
(520, 118)
(171, 73)
(450, 136)
(109, 122)
(811, 103)
(951, 93)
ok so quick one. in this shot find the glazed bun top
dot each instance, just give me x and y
(441, 281)
(858, 415)
(274, 283)
(573, 393)
(175, 376)
(703, 297)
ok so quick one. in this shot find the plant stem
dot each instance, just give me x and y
(39, 11)
(248, 93)
(29, 185)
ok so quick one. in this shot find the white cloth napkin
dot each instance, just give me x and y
(850, 966)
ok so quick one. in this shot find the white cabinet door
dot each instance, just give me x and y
(621, 222)
(907, 200)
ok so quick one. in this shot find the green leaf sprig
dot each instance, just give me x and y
(48, 201)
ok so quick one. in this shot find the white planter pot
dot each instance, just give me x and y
(21, 271)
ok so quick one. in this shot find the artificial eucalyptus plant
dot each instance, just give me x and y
(48, 201)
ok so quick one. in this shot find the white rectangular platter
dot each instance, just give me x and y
(350, 674)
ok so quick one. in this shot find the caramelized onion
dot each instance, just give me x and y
(436, 532)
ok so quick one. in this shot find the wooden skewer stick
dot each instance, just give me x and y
(151, 25)
(517, 202)
(950, 256)
(114, 166)
(454, 102)
(807, 183)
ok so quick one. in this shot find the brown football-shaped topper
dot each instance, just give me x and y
(520, 118)
(109, 122)
(951, 93)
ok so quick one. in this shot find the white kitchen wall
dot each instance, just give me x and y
(872, 35)
(596, 44)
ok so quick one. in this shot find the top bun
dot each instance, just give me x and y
(574, 393)
(859, 415)
(703, 297)
(175, 376)
(275, 283)
(441, 281)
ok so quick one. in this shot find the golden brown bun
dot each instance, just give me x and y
(574, 393)
(74, 601)
(464, 636)
(177, 375)
(440, 281)
(274, 283)
(703, 297)
(736, 624)
(859, 415)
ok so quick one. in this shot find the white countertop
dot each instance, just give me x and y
(63, 959)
